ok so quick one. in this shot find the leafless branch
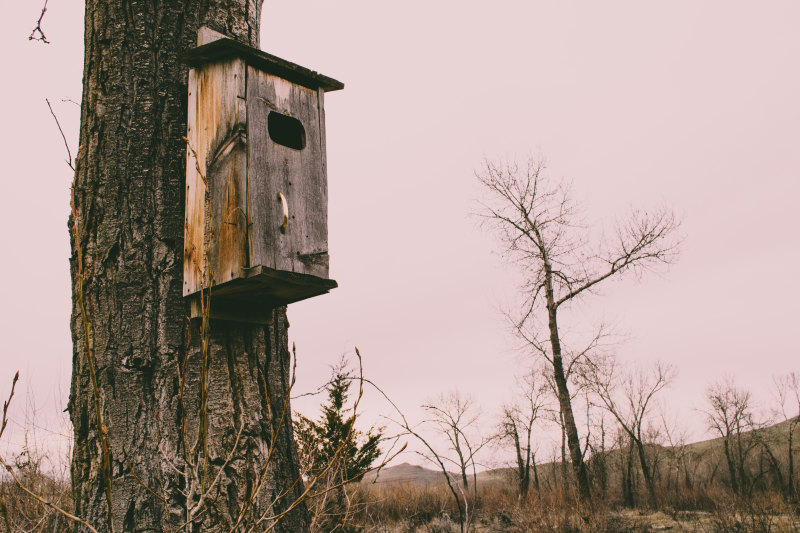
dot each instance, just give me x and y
(37, 34)
(61, 131)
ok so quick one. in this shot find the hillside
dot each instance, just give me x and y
(703, 457)
(404, 473)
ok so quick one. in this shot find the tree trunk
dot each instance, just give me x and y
(565, 401)
(564, 478)
(627, 475)
(741, 455)
(687, 476)
(648, 476)
(729, 460)
(523, 476)
(138, 363)
(790, 477)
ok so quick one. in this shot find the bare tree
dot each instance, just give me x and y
(627, 474)
(456, 418)
(457, 491)
(517, 424)
(787, 399)
(537, 224)
(730, 415)
(680, 462)
(627, 396)
(597, 448)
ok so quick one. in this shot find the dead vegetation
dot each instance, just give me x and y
(408, 507)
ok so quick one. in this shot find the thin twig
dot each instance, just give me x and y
(61, 131)
(38, 29)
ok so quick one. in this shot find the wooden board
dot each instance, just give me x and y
(274, 287)
(216, 132)
(298, 175)
(252, 297)
(212, 49)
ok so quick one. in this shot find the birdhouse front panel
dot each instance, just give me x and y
(256, 187)
(287, 175)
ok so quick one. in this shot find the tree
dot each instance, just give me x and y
(333, 438)
(335, 453)
(679, 456)
(516, 426)
(537, 224)
(175, 421)
(787, 398)
(627, 396)
(730, 415)
(457, 491)
(455, 416)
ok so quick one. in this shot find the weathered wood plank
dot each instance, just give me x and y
(297, 174)
(274, 287)
(251, 297)
(217, 139)
(262, 201)
(228, 48)
(194, 225)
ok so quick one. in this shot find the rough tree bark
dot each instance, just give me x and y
(128, 311)
(564, 400)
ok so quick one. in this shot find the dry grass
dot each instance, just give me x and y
(428, 508)
(23, 513)
(406, 507)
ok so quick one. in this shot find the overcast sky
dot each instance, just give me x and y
(689, 104)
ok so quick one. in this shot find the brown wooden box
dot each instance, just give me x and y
(256, 229)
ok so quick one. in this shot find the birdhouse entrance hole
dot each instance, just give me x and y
(286, 131)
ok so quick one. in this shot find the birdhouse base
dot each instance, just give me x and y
(251, 299)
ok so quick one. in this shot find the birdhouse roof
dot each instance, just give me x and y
(228, 48)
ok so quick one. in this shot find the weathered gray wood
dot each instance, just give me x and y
(250, 178)
(297, 174)
(275, 286)
(228, 48)
(250, 299)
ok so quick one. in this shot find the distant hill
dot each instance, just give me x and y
(705, 457)
(419, 475)
(405, 473)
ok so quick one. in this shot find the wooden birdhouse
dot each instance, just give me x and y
(256, 230)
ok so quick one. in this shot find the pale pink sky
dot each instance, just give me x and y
(693, 105)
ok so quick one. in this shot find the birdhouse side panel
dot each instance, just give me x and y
(215, 249)
(286, 176)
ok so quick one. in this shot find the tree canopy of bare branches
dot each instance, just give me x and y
(455, 416)
(628, 395)
(787, 399)
(538, 226)
(516, 426)
(730, 414)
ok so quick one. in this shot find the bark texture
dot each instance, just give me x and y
(129, 312)
(560, 378)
